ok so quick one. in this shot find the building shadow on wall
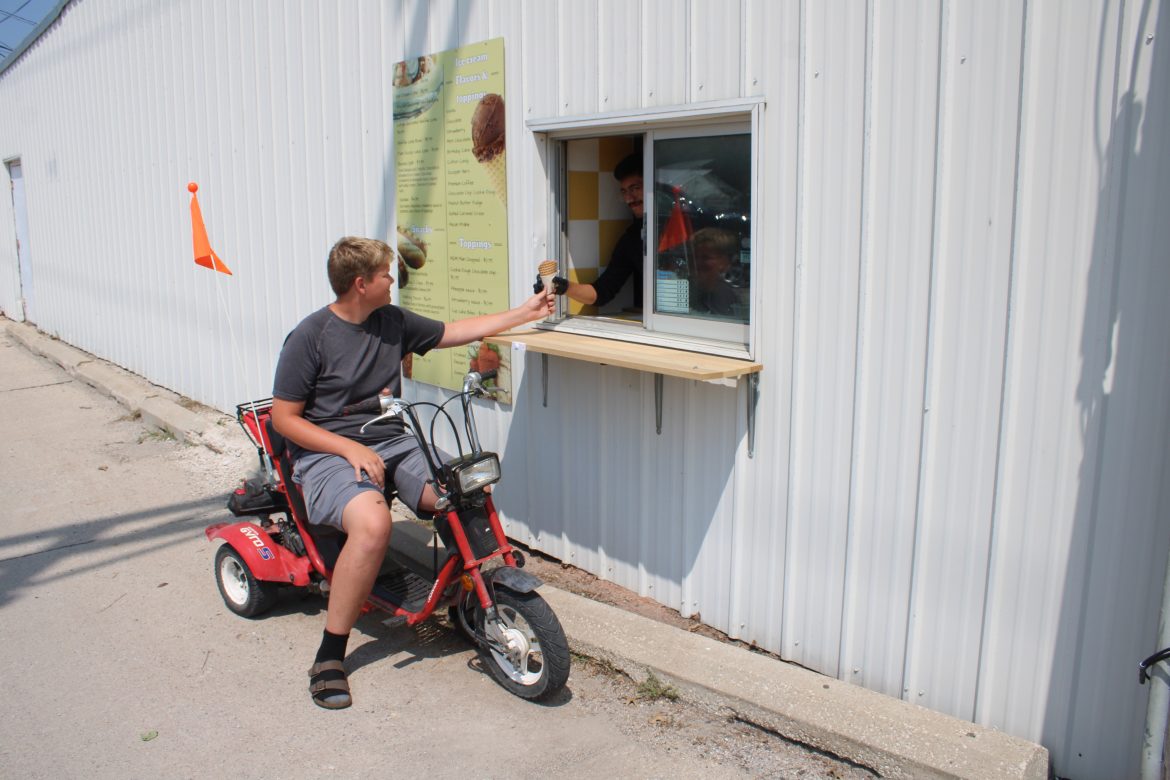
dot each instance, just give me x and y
(1118, 549)
(606, 492)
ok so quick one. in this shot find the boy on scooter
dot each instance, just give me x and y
(346, 352)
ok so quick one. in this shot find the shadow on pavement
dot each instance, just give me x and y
(430, 639)
(23, 570)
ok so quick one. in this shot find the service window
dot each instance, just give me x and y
(701, 252)
(652, 225)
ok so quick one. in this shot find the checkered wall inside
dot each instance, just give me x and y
(597, 214)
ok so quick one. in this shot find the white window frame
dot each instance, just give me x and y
(724, 116)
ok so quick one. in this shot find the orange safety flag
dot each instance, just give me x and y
(678, 228)
(204, 255)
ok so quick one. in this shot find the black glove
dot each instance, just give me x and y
(560, 285)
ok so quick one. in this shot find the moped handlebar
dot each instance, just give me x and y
(381, 403)
(473, 385)
(368, 406)
(387, 406)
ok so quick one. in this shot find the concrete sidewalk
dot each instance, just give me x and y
(892, 737)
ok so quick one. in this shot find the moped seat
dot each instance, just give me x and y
(328, 539)
(278, 449)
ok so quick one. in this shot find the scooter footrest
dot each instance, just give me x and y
(403, 588)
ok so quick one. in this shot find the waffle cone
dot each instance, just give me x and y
(547, 268)
(498, 176)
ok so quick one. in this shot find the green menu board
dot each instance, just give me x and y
(449, 152)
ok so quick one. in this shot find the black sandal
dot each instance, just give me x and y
(329, 686)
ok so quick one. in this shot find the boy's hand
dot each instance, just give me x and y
(362, 458)
(540, 305)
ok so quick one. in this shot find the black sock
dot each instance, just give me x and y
(332, 647)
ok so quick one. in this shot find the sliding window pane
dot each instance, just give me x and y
(702, 246)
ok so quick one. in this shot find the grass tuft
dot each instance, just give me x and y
(653, 689)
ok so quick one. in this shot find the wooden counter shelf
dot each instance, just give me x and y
(660, 361)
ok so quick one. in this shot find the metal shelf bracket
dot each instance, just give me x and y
(658, 403)
(753, 391)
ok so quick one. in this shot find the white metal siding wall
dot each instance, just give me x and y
(957, 494)
(972, 273)
(896, 250)
(119, 105)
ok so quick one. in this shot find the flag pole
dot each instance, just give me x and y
(206, 257)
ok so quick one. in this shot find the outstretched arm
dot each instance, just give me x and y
(578, 291)
(473, 328)
(581, 292)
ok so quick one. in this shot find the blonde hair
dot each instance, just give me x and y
(352, 257)
(724, 242)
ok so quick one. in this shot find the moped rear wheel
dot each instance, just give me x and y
(530, 655)
(242, 593)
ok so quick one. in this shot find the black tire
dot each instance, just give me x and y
(453, 618)
(541, 668)
(241, 592)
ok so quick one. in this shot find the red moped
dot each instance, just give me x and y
(481, 583)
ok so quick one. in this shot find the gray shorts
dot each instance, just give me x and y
(328, 484)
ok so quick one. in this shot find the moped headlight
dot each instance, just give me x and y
(478, 473)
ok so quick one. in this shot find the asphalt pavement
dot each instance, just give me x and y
(123, 660)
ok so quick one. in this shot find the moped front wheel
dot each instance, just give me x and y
(528, 653)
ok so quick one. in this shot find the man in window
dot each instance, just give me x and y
(626, 260)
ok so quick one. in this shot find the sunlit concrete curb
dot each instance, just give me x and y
(889, 736)
(159, 407)
(892, 737)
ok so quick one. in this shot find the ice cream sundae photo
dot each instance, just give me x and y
(416, 86)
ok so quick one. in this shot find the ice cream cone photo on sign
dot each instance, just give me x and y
(487, 138)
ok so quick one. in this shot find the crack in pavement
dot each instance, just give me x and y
(49, 550)
(35, 387)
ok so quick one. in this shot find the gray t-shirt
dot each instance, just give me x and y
(329, 364)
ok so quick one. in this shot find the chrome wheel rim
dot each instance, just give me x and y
(522, 661)
(234, 579)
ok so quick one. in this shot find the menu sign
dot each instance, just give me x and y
(449, 152)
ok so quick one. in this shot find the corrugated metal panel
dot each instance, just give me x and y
(665, 64)
(1036, 542)
(578, 35)
(716, 50)
(619, 40)
(980, 77)
(1121, 519)
(832, 133)
(899, 189)
(957, 491)
(759, 554)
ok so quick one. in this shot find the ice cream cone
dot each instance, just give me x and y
(548, 271)
(498, 175)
